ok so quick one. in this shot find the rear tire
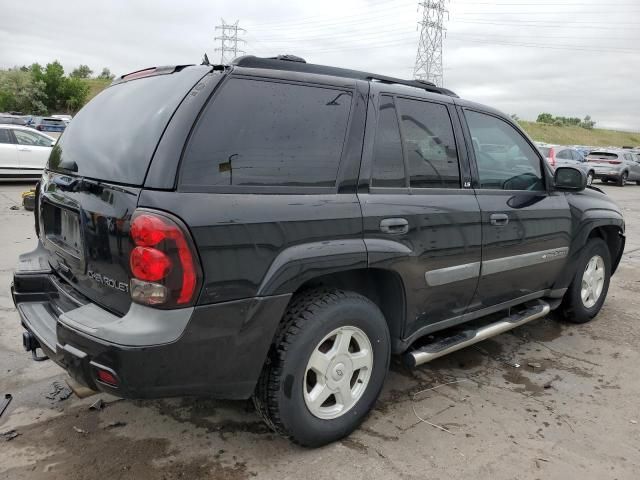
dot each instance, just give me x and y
(311, 340)
(588, 290)
(637, 182)
(622, 181)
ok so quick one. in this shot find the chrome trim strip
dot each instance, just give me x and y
(457, 273)
(466, 271)
(498, 265)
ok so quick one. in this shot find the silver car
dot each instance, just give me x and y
(564, 156)
(615, 165)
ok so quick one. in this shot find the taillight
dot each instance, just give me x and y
(552, 157)
(39, 127)
(164, 268)
(615, 162)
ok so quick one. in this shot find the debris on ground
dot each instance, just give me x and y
(111, 425)
(29, 199)
(14, 207)
(547, 385)
(79, 430)
(534, 365)
(4, 403)
(634, 422)
(97, 405)
(60, 392)
(9, 435)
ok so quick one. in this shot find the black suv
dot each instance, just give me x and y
(276, 229)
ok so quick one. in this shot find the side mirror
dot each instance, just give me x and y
(569, 179)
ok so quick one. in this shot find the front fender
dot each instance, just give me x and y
(299, 263)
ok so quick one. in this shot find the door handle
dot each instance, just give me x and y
(499, 219)
(23, 149)
(394, 226)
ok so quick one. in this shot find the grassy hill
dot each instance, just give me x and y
(579, 136)
(96, 86)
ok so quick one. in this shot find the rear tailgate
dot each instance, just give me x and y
(84, 226)
(94, 177)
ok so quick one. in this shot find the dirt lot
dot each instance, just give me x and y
(574, 414)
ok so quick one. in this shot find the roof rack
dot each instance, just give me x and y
(296, 64)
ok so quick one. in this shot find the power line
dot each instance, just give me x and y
(229, 41)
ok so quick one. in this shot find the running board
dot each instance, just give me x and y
(468, 337)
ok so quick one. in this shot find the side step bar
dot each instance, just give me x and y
(468, 337)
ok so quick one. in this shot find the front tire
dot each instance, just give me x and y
(590, 284)
(589, 178)
(326, 369)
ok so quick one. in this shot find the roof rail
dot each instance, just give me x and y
(296, 64)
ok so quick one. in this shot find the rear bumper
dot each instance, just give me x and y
(606, 173)
(215, 350)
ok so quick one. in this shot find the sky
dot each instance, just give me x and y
(524, 57)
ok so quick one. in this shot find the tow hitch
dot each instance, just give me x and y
(31, 344)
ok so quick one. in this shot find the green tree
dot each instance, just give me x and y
(83, 71)
(106, 74)
(545, 118)
(20, 93)
(54, 80)
(73, 94)
(588, 123)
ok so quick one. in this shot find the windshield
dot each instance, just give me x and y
(114, 136)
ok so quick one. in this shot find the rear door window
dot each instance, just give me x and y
(429, 144)
(564, 155)
(265, 133)
(504, 159)
(388, 164)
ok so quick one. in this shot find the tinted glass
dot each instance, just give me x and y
(268, 133)
(114, 136)
(504, 159)
(29, 138)
(429, 144)
(5, 137)
(564, 155)
(602, 156)
(388, 164)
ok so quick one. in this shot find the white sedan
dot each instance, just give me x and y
(23, 152)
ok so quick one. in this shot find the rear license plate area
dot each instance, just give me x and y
(62, 229)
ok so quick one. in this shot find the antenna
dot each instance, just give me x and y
(229, 41)
(429, 57)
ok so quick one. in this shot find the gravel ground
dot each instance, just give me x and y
(574, 414)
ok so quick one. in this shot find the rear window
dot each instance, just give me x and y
(263, 133)
(603, 155)
(114, 136)
(52, 121)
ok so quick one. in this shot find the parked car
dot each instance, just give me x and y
(564, 156)
(276, 229)
(616, 165)
(65, 118)
(13, 120)
(23, 152)
(49, 124)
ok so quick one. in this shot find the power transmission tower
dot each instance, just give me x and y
(429, 57)
(229, 41)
